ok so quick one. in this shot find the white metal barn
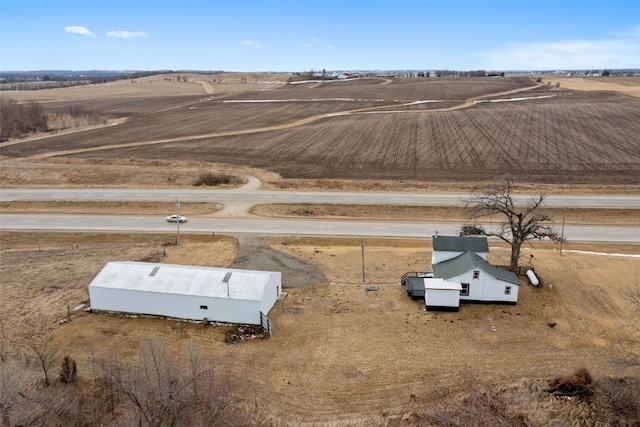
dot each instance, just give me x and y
(440, 294)
(185, 292)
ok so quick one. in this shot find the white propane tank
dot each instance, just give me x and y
(532, 278)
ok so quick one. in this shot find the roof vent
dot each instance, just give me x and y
(154, 271)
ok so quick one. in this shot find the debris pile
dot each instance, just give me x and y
(576, 384)
(241, 333)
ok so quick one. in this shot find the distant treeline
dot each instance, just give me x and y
(18, 120)
(35, 80)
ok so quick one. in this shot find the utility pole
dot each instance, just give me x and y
(362, 250)
(178, 221)
(564, 211)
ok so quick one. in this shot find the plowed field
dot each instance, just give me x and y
(387, 129)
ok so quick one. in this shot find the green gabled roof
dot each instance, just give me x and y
(468, 261)
(460, 244)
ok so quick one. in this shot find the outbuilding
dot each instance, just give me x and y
(440, 294)
(185, 292)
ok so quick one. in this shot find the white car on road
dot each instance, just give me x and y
(176, 218)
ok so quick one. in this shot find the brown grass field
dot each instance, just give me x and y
(341, 355)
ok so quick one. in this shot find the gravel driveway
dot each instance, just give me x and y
(254, 254)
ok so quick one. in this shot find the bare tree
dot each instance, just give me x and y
(46, 356)
(520, 223)
(628, 346)
(163, 392)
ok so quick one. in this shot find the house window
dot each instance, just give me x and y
(465, 290)
(507, 290)
(204, 307)
(476, 275)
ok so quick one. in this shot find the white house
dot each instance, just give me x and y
(185, 292)
(480, 281)
(448, 247)
(441, 294)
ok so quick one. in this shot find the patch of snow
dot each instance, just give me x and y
(78, 307)
(240, 101)
(524, 98)
(604, 254)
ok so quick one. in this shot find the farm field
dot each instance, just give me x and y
(345, 130)
(537, 141)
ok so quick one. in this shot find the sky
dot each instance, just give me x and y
(306, 35)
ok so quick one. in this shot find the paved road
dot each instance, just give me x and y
(320, 197)
(285, 227)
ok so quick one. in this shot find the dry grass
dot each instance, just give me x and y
(435, 213)
(625, 85)
(338, 352)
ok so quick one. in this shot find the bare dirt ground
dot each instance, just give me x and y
(537, 134)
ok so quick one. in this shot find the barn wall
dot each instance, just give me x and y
(172, 305)
(272, 291)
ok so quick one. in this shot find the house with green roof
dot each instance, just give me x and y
(459, 273)
(447, 247)
(480, 281)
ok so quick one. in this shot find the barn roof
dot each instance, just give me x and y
(183, 280)
(460, 244)
(468, 261)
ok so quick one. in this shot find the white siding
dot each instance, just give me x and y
(486, 287)
(441, 293)
(173, 305)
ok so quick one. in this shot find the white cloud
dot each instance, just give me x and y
(249, 43)
(620, 52)
(127, 34)
(78, 29)
(307, 45)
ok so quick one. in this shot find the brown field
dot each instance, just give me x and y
(625, 85)
(340, 355)
(341, 130)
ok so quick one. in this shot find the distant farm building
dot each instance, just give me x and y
(460, 268)
(185, 292)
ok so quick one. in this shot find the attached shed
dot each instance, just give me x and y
(185, 292)
(440, 294)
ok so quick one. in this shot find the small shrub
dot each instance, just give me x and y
(576, 384)
(68, 371)
(211, 179)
